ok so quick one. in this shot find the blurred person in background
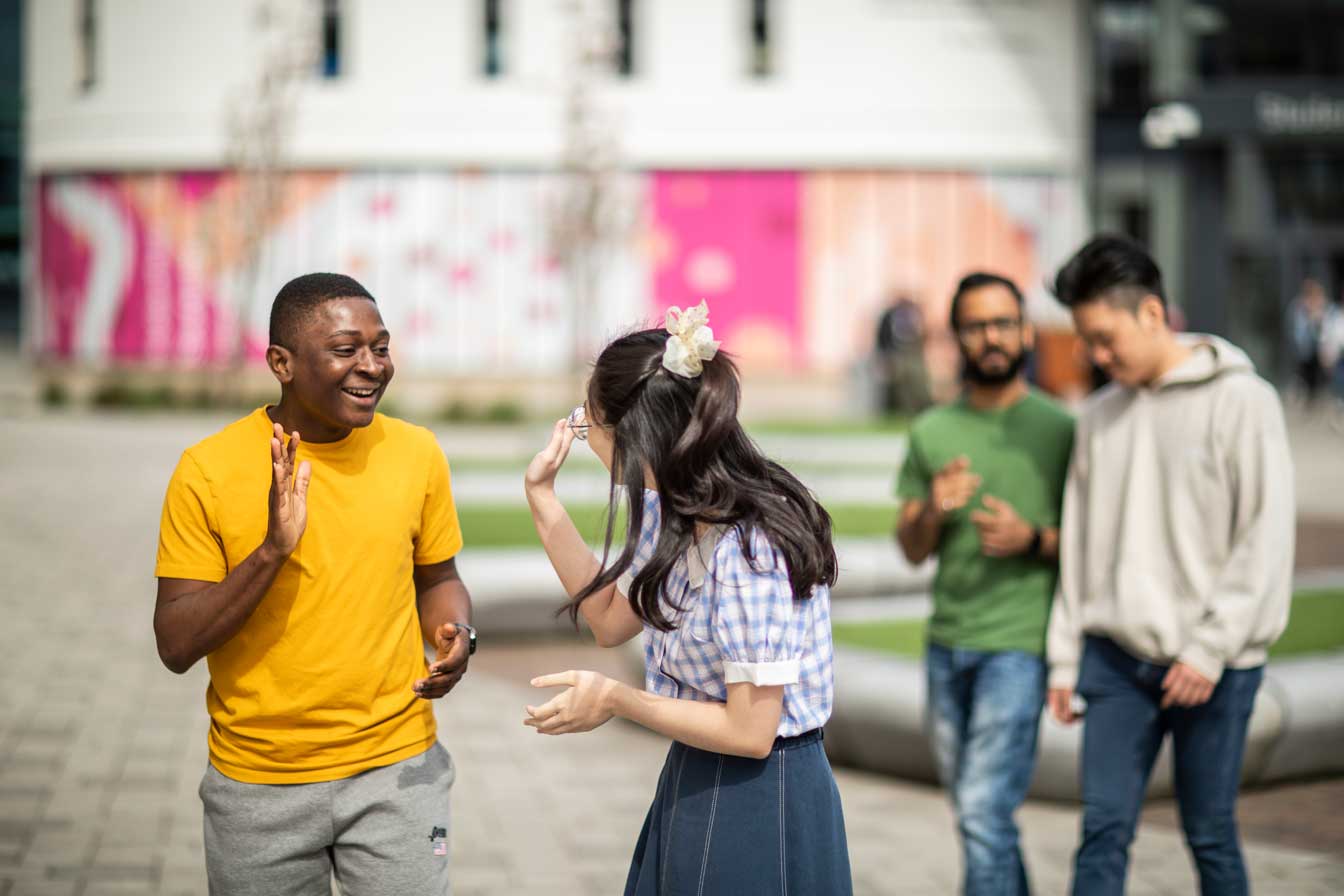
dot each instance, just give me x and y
(981, 488)
(899, 351)
(726, 568)
(310, 570)
(1306, 326)
(1176, 559)
(1332, 348)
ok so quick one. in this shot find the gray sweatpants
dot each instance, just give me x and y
(383, 832)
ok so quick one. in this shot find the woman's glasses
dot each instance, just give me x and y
(578, 423)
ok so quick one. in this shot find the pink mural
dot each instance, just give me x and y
(116, 285)
(796, 267)
(153, 268)
(64, 265)
(732, 238)
(871, 236)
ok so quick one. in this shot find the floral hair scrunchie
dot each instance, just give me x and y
(692, 341)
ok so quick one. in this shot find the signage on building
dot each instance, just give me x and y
(1283, 115)
(1266, 112)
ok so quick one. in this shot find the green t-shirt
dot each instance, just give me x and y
(1021, 454)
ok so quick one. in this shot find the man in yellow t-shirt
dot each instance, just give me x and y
(310, 585)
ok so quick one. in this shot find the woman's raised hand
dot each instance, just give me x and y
(541, 471)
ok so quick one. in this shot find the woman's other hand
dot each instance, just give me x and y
(586, 702)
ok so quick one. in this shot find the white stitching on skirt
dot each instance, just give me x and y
(709, 831)
(783, 874)
(671, 820)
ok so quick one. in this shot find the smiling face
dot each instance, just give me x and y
(1126, 344)
(339, 368)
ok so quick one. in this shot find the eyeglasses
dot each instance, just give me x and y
(976, 329)
(578, 423)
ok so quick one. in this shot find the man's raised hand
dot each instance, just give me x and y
(288, 501)
(953, 486)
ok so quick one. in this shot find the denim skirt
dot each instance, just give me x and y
(728, 826)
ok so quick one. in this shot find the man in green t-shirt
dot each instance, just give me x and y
(981, 486)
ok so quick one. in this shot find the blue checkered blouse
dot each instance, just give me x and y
(736, 624)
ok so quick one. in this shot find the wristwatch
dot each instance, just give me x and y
(1034, 550)
(471, 636)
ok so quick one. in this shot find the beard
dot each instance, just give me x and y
(973, 372)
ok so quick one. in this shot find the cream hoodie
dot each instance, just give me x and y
(1178, 527)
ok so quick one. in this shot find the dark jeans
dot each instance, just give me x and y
(984, 710)
(1122, 731)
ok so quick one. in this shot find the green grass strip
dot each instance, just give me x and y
(503, 526)
(903, 637)
(870, 426)
(493, 526)
(589, 464)
(1315, 625)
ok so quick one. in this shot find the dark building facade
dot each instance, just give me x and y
(11, 141)
(1220, 143)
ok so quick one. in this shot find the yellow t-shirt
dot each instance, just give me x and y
(316, 686)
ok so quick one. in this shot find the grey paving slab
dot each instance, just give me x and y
(101, 748)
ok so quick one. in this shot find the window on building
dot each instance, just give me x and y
(1135, 221)
(761, 63)
(625, 38)
(1261, 40)
(88, 44)
(330, 61)
(1307, 184)
(492, 62)
(1122, 55)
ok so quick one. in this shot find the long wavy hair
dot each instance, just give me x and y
(685, 432)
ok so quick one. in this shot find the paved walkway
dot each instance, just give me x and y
(101, 749)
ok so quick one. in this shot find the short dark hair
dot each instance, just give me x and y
(1110, 268)
(301, 296)
(975, 280)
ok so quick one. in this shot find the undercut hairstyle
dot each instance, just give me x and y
(976, 280)
(300, 297)
(1111, 269)
(685, 431)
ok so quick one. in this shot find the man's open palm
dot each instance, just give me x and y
(288, 514)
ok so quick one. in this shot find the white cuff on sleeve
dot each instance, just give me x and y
(762, 674)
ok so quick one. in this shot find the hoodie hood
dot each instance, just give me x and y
(1211, 357)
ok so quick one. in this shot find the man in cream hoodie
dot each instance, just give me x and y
(1176, 555)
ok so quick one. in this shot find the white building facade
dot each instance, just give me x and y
(796, 163)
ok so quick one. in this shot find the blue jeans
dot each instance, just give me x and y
(1122, 731)
(984, 711)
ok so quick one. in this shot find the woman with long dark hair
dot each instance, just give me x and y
(726, 569)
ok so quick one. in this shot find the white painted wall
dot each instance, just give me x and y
(859, 83)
